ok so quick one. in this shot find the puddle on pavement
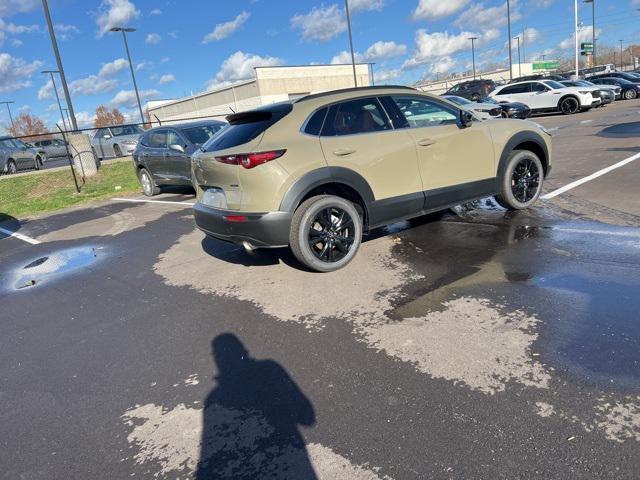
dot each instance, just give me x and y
(49, 267)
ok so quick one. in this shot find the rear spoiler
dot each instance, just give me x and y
(248, 117)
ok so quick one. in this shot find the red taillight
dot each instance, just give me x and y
(250, 160)
(235, 218)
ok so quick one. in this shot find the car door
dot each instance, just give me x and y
(358, 136)
(456, 163)
(153, 154)
(518, 92)
(542, 97)
(177, 164)
(24, 157)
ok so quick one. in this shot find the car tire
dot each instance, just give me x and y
(569, 105)
(630, 94)
(38, 163)
(11, 167)
(116, 151)
(521, 182)
(149, 188)
(336, 226)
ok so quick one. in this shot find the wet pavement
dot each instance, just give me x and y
(486, 344)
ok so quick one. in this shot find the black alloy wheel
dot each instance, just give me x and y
(331, 234)
(570, 105)
(525, 180)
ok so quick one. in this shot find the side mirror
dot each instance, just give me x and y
(465, 119)
(176, 148)
(106, 136)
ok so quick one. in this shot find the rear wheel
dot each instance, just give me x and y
(116, 151)
(630, 94)
(569, 105)
(522, 180)
(149, 188)
(326, 232)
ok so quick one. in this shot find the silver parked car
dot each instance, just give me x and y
(15, 155)
(116, 141)
(481, 110)
(53, 147)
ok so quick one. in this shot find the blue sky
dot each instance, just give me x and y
(184, 46)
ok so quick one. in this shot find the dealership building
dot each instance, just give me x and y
(270, 85)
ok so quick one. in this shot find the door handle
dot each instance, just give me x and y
(425, 142)
(343, 152)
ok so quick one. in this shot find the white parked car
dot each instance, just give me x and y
(548, 96)
(481, 110)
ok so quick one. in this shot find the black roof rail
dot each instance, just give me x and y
(352, 89)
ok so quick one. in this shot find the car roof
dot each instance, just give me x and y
(353, 90)
(180, 126)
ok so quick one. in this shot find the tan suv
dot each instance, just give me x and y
(316, 173)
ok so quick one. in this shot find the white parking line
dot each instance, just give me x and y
(19, 236)
(142, 200)
(588, 178)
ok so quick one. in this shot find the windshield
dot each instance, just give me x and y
(553, 84)
(200, 134)
(584, 83)
(458, 100)
(126, 130)
(622, 81)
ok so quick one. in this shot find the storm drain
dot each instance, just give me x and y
(54, 265)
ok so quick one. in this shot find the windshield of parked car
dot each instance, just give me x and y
(553, 84)
(621, 81)
(200, 134)
(458, 100)
(126, 130)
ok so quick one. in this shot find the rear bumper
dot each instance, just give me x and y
(259, 229)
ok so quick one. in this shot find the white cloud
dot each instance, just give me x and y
(584, 35)
(141, 65)
(84, 119)
(321, 23)
(15, 73)
(155, 11)
(435, 9)
(127, 98)
(545, 3)
(442, 65)
(19, 29)
(438, 45)
(164, 59)
(64, 31)
(16, 42)
(479, 17)
(377, 51)
(112, 68)
(239, 66)
(115, 13)
(167, 78)
(386, 75)
(46, 91)
(10, 7)
(153, 39)
(223, 30)
(92, 85)
(529, 36)
(365, 5)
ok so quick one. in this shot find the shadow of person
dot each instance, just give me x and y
(251, 418)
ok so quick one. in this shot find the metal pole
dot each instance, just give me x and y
(353, 57)
(63, 79)
(575, 26)
(519, 61)
(593, 31)
(133, 75)
(55, 89)
(524, 55)
(473, 55)
(10, 117)
(509, 33)
(621, 62)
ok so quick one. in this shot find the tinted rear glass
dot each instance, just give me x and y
(126, 130)
(201, 134)
(314, 125)
(246, 126)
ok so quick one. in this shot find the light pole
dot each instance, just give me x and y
(67, 112)
(55, 89)
(353, 57)
(63, 79)
(9, 110)
(593, 31)
(621, 62)
(575, 26)
(473, 54)
(543, 56)
(124, 31)
(509, 33)
(519, 62)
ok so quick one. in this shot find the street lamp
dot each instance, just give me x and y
(9, 110)
(575, 26)
(621, 63)
(519, 62)
(593, 31)
(124, 31)
(67, 112)
(55, 89)
(473, 54)
(353, 57)
(63, 79)
(509, 33)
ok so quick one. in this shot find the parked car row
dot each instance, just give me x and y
(316, 173)
(16, 155)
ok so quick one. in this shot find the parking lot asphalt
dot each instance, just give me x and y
(485, 344)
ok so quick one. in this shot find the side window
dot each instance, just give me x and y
(363, 115)
(422, 112)
(455, 88)
(174, 139)
(538, 87)
(158, 139)
(514, 89)
(99, 133)
(314, 124)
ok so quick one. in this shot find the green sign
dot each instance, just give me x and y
(586, 46)
(545, 66)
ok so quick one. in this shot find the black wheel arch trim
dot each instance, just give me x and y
(323, 176)
(517, 139)
(570, 95)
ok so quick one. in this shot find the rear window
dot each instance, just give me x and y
(314, 125)
(246, 126)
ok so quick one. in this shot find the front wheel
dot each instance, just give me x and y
(521, 183)
(569, 106)
(11, 167)
(38, 163)
(326, 232)
(149, 188)
(116, 151)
